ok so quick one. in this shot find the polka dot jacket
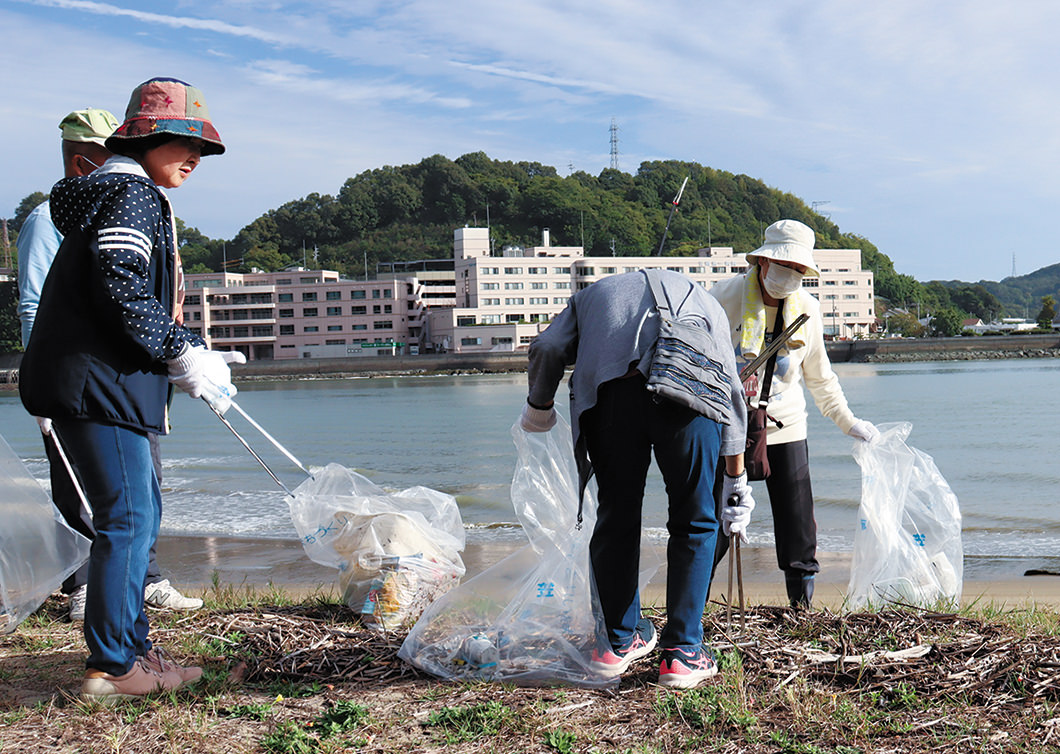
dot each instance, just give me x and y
(104, 328)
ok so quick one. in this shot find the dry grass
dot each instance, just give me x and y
(300, 678)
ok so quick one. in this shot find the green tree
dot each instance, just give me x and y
(1047, 313)
(947, 322)
(10, 327)
(25, 206)
(266, 259)
(977, 301)
(198, 253)
(261, 235)
(905, 324)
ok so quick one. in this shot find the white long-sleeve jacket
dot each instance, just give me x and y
(808, 365)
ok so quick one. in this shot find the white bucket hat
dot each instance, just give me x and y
(788, 241)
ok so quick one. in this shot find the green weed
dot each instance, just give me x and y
(289, 738)
(469, 722)
(132, 710)
(697, 708)
(342, 717)
(259, 711)
(211, 646)
(561, 740)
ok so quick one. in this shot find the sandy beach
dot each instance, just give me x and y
(195, 562)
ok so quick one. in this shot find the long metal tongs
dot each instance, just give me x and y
(70, 470)
(777, 343)
(267, 436)
(734, 552)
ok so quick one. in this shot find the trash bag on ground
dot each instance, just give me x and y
(907, 546)
(38, 551)
(533, 618)
(396, 551)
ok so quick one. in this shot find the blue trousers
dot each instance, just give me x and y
(621, 431)
(119, 479)
(67, 501)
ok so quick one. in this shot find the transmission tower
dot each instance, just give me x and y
(614, 145)
(1013, 264)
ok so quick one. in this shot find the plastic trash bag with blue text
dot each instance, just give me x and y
(534, 617)
(37, 549)
(907, 546)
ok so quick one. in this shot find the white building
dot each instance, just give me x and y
(502, 302)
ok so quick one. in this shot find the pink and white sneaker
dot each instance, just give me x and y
(686, 668)
(613, 662)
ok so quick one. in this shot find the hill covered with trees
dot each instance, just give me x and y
(408, 212)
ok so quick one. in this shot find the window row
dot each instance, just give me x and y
(356, 293)
(335, 311)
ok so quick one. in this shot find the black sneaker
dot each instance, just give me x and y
(612, 662)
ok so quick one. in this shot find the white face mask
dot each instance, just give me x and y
(781, 282)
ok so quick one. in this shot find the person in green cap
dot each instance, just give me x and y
(83, 135)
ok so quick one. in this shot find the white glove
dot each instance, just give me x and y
(537, 419)
(45, 425)
(219, 390)
(736, 517)
(203, 373)
(863, 430)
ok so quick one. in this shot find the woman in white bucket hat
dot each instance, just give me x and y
(774, 283)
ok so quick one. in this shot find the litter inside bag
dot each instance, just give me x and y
(396, 552)
(37, 549)
(533, 618)
(907, 547)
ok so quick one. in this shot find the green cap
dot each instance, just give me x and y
(88, 125)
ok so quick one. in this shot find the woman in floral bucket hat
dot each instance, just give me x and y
(107, 342)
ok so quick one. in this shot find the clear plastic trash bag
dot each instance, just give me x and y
(38, 551)
(907, 546)
(395, 551)
(534, 617)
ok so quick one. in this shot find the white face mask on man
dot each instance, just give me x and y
(780, 281)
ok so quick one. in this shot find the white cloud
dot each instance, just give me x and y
(177, 22)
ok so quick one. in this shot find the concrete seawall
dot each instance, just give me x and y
(946, 349)
(887, 350)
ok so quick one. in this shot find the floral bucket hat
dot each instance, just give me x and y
(167, 106)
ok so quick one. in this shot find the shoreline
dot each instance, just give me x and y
(193, 562)
(879, 350)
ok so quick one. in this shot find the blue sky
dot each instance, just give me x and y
(932, 129)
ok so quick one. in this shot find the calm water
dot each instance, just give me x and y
(990, 427)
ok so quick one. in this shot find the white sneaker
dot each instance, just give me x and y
(76, 603)
(162, 594)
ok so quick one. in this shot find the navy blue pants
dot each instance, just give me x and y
(621, 431)
(791, 500)
(119, 478)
